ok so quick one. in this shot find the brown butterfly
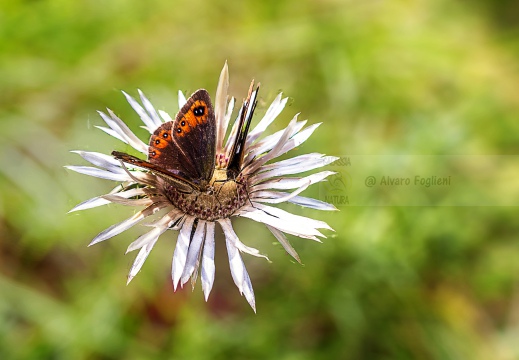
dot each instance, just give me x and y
(183, 151)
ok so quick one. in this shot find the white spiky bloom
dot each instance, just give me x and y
(265, 182)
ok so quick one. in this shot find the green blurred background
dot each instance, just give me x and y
(385, 77)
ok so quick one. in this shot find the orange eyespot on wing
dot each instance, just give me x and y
(160, 140)
(154, 154)
(197, 115)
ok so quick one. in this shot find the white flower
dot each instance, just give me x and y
(260, 182)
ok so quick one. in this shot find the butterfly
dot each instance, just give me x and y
(183, 151)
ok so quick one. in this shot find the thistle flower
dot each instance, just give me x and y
(235, 178)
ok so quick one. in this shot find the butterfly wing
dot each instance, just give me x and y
(237, 153)
(186, 147)
(180, 183)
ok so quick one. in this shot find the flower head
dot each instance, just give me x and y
(237, 177)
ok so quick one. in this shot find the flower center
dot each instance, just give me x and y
(225, 197)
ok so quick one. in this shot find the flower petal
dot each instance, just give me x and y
(232, 135)
(278, 169)
(239, 273)
(120, 127)
(180, 253)
(231, 236)
(298, 200)
(195, 247)
(165, 116)
(128, 223)
(181, 99)
(151, 111)
(302, 220)
(297, 160)
(268, 143)
(99, 200)
(116, 199)
(208, 268)
(111, 132)
(273, 111)
(145, 117)
(219, 107)
(287, 133)
(284, 221)
(160, 227)
(228, 114)
(284, 242)
(90, 203)
(292, 183)
(285, 197)
(105, 161)
(103, 174)
(313, 203)
(298, 139)
(141, 258)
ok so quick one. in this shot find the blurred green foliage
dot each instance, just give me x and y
(385, 77)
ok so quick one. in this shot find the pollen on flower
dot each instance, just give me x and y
(225, 197)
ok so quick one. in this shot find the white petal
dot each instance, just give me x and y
(232, 135)
(116, 199)
(145, 239)
(142, 177)
(298, 200)
(146, 119)
(165, 116)
(160, 227)
(292, 183)
(273, 111)
(208, 268)
(298, 139)
(90, 203)
(284, 242)
(239, 273)
(268, 143)
(287, 133)
(99, 200)
(141, 258)
(181, 99)
(111, 133)
(297, 160)
(219, 107)
(181, 248)
(103, 174)
(151, 111)
(178, 225)
(286, 197)
(289, 217)
(194, 275)
(195, 247)
(105, 161)
(295, 226)
(231, 236)
(228, 114)
(277, 169)
(313, 203)
(120, 127)
(283, 145)
(126, 224)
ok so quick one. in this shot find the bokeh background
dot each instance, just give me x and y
(384, 77)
